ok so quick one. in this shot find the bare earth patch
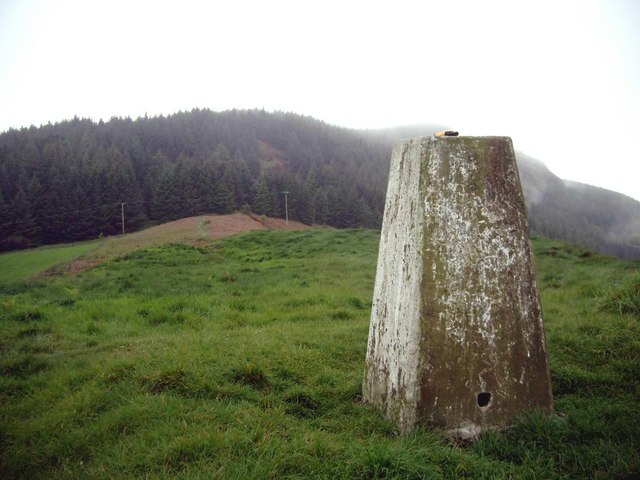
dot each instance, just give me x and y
(82, 264)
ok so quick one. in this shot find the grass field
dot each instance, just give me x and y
(244, 359)
(23, 265)
(20, 266)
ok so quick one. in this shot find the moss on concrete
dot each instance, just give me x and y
(480, 355)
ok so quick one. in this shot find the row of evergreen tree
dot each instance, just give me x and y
(68, 181)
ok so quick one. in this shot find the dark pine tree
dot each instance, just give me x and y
(262, 198)
(223, 201)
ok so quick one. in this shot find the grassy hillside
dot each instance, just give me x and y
(244, 359)
(49, 260)
(67, 181)
(19, 266)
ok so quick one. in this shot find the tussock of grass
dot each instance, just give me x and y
(250, 375)
(33, 332)
(244, 359)
(170, 381)
(623, 299)
(303, 403)
(22, 366)
(29, 315)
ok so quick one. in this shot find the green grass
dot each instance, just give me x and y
(244, 359)
(22, 265)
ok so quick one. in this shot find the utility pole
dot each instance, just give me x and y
(122, 210)
(286, 206)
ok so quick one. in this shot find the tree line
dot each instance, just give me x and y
(67, 181)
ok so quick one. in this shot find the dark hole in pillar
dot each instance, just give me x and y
(483, 399)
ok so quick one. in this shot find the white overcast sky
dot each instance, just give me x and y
(561, 77)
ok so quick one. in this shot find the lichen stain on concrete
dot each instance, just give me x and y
(456, 316)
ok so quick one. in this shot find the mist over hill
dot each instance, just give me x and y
(593, 217)
(67, 181)
(596, 218)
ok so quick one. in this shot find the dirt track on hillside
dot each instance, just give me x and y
(191, 231)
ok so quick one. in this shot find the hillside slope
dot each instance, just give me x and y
(593, 217)
(67, 182)
(74, 258)
(192, 231)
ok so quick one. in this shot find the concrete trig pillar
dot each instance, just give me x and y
(456, 338)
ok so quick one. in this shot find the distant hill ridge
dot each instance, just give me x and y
(596, 218)
(67, 181)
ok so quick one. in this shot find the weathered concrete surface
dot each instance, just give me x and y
(456, 337)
